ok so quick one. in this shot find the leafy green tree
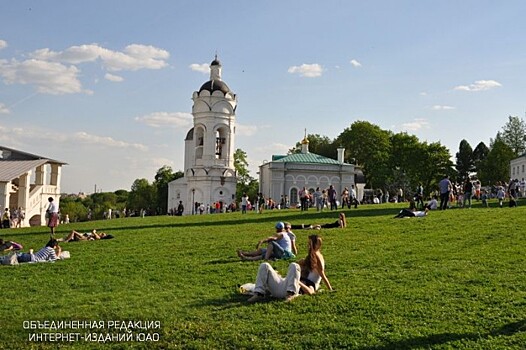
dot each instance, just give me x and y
(241, 166)
(407, 163)
(369, 145)
(163, 177)
(413, 162)
(245, 182)
(514, 135)
(74, 208)
(496, 167)
(479, 155)
(465, 163)
(143, 195)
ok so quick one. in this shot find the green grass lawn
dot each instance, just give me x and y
(452, 280)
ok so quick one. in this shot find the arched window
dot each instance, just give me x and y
(293, 196)
(221, 143)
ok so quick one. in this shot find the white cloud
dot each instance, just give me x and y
(307, 70)
(166, 119)
(49, 77)
(84, 137)
(246, 130)
(203, 68)
(442, 108)
(423, 93)
(479, 85)
(69, 140)
(3, 109)
(415, 125)
(133, 57)
(3, 44)
(114, 78)
(355, 63)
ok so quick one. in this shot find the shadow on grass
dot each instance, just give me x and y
(223, 261)
(235, 300)
(444, 338)
(295, 217)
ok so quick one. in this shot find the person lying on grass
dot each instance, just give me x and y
(303, 277)
(88, 236)
(49, 253)
(279, 246)
(9, 245)
(340, 223)
(408, 213)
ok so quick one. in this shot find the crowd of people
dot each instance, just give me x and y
(13, 218)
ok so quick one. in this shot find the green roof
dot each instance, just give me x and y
(311, 158)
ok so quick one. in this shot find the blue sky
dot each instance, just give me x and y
(106, 86)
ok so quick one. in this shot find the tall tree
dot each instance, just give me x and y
(514, 135)
(406, 159)
(241, 166)
(163, 177)
(496, 167)
(245, 182)
(479, 155)
(369, 145)
(142, 195)
(465, 163)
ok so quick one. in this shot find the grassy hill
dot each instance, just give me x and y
(452, 280)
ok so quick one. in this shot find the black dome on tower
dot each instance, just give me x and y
(215, 85)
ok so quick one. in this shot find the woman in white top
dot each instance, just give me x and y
(313, 268)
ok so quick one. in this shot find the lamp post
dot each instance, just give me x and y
(193, 201)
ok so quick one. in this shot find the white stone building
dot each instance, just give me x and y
(24, 183)
(518, 168)
(209, 172)
(287, 175)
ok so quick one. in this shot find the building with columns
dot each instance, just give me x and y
(286, 175)
(209, 172)
(26, 182)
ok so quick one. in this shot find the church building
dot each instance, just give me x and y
(286, 175)
(209, 172)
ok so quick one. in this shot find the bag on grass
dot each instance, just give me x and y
(247, 288)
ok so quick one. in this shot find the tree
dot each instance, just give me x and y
(74, 208)
(405, 162)
(241, 166)
(465, 163)
(163, 177)
(514, 135)
(479, 155)
(369, 145)
(142, 195)
(245, 182)
(496, 167)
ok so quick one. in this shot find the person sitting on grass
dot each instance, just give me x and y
(340, 223)
(279, 246)
(313, 268)
(303, 277)
(9, 245)
(50, 252)
(407, 213)
(75, 236)
(432, 204)
(292, 237)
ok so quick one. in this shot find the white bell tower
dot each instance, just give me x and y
(209, 148)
